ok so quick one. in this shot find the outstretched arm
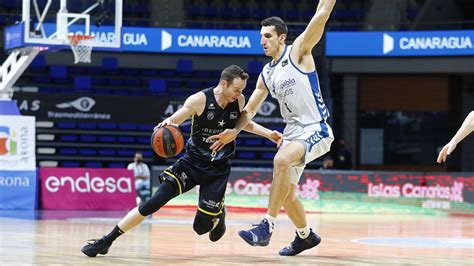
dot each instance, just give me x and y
(262, 131)
(194, 104)
(256, 99)
(306, 41)
(466, 128)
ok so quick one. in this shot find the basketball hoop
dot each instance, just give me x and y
(81, 47)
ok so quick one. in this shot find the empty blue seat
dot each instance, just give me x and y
(254, 67)
(110, 64)
(267, 142)
(128, 153)
(292, 14)
(146, 140)
(87, 138)
(41, 79)
(70, 164)
(127, 126)
(48, 90)
(117, 165)
(149, 72)
(38, 64)
(126, 139)
(67, 151)
(184, 67)
(247, 155)
(146, 127)
(202, 74)
(133, 82)
(107, 139)
(194, 84)
(59, 72)
(93, 164)
(147, 153)
(68, 138)
(106, 152)
(121, 92)
(99, 81)
(107, 125)
(157, 86)
(76, 69)
(87, 152)
(66, 124)
(87, 125)
(267, 155)
(253, 142)
(116, 82)
(82, 83)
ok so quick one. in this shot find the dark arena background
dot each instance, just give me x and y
(84, 83)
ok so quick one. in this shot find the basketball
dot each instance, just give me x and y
(167, 141)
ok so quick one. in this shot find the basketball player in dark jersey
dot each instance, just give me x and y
(213, 110)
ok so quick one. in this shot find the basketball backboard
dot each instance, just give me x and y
(48, 23)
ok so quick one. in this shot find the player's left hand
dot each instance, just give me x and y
(445, 151)
(223, 139)
(276, 137)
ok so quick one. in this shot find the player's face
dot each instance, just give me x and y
(233, 90)
(270, 40)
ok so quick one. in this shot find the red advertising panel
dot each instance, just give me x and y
(87, 189)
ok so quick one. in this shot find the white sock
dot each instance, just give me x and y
(271, 221)
(303, 233)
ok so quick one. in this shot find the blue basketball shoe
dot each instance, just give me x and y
(259, 235)
(299, 245)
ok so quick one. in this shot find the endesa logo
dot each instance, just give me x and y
(87, 184)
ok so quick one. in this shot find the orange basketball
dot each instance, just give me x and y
(167, 141)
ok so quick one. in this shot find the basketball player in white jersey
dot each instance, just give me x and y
(291, 78)
(466, 128)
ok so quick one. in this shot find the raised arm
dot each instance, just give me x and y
(466, 128)
(306, 41)
(194, 104)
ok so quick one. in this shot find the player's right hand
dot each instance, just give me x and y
(222, 139)
(165, 122)
(445, 151)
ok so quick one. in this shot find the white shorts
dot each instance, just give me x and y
(317, 141)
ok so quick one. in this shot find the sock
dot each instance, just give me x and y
(116, 232)
(271, 221)
(303, 233)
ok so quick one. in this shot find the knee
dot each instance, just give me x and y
(202, 223)
(281, 163)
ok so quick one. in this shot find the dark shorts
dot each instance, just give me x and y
(212, 178)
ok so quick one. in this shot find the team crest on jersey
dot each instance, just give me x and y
(210, 115)
(284, 63)
(233, 115)
(211, 106)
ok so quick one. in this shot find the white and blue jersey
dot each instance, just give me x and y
(301, 102)
(297, 92)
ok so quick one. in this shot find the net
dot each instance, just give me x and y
(81, 47)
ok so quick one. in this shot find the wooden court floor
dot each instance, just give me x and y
(167, 238)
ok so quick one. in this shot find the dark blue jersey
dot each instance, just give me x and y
(212, 121)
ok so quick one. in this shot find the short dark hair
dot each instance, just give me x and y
(279, 24)
(232, 72)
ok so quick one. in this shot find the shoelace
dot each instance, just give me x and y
(94, 242)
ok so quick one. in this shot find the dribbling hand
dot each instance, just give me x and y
(445, 151)
(165, 122)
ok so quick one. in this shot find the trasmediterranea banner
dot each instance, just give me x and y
(17, 142)
(160, 40)
(400, 43)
